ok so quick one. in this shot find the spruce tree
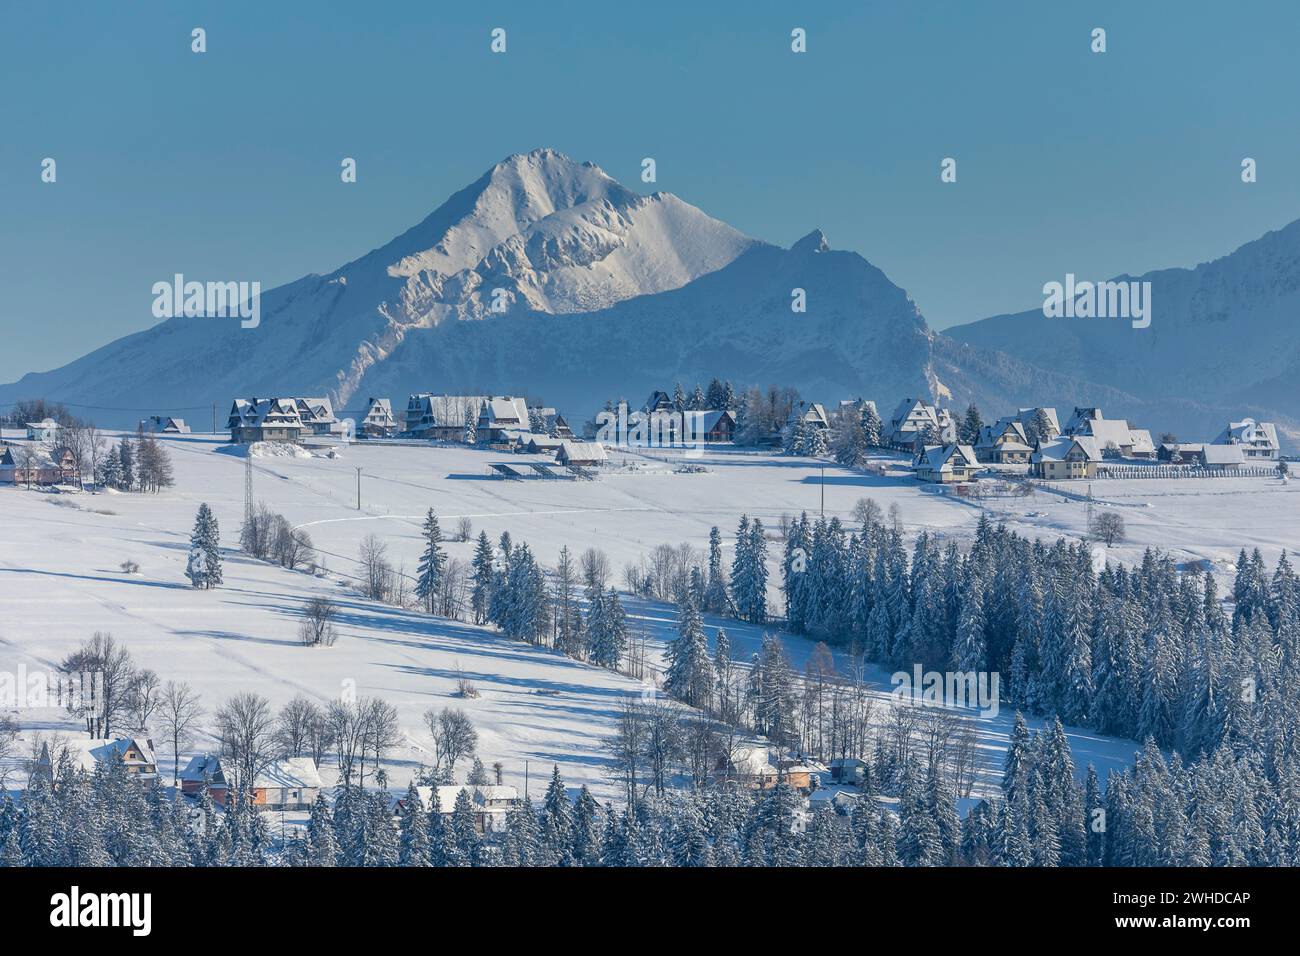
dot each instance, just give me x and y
(433, 564)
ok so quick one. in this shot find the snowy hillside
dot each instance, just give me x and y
(61, 579)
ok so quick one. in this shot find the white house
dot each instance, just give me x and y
(379, 421)
(443, 417)
(317, 416)
(164, 425)
(291, 783)
(1070, 456)
(1258, 440)
(265, 419)
(1003, 443)
(909, 423)
(581, 453)
(1114, 436)
(944, 464)
(500, 415)
(47, 429)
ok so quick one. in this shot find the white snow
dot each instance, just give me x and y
(60, 579)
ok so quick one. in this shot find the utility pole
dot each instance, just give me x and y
(214, 418)
(358, 489)
(248, 486)
(823, 484)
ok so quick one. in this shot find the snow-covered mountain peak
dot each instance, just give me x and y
(815, 241)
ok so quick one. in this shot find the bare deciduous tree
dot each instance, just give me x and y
(106, 670)
(180, 712)
(454, 738)
(316, 629)
(246, 733)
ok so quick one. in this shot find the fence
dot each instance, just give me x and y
(1182, 471)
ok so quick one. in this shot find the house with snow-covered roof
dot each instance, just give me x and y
(1115, 437)
(290, 783)
(581, 454)
(1003, 443)
(912, 420)
(47, 429)
(136, 753)
(1258, 440)
(164, 425)
(317, 416)
(443, 417)
(1069, 456)
(378, 421)
(944, 464)
(265, 419)
(501, 415)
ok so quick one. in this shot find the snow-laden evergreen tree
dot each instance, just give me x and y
(470, 436)
(570, 635)
(413, 826)
(555, 833)
(688, 676)
(126, 461)
(968, 432)
(433, 564)
(586, 829)
(717, 596)
(871, 425)
(606, 628)
(464, 847)
(919, 841)
(204, 565)
(772, 838)
(322, 849)
(482, 578)
(519, 846)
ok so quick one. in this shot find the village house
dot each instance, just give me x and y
(908, 425)
(542, 445)
(945, 464)
(1115, 437)
(1031, 418)
(811, 414)
(378, 421)
(47, 429)
(841, 801)
(580, 454)
(501, 419)
(850, 770)
(491, 804)
(290, 783)
(1070, 456)
(443, 417)
(717, 426)
(137, 756)
(1003, 443)
(23, 464)
(749, 768)
(265, 419)
(658, 402)
(1258, 440)
(164, 425)
(317, 416)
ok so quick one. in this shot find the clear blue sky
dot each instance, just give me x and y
(225, 165)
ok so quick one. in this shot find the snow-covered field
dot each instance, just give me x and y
(60, 577)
